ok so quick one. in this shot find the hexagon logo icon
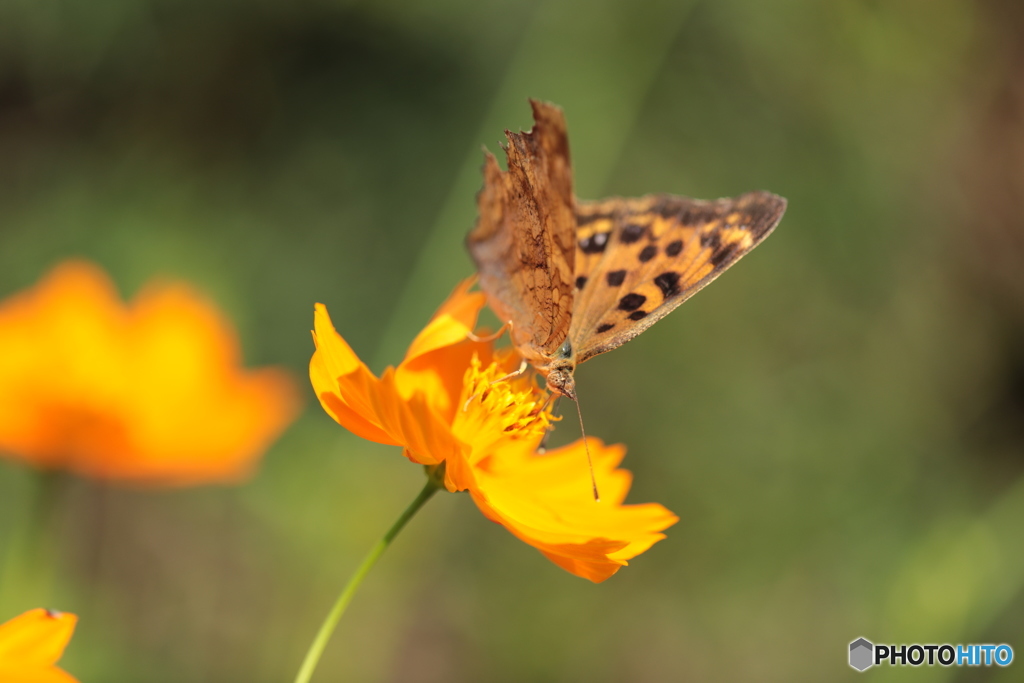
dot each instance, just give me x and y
(861, 651)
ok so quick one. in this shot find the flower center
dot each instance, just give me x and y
(495, 408)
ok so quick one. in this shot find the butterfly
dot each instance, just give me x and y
(573, 279)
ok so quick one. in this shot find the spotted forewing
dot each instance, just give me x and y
(637, 259)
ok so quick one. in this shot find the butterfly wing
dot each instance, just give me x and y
(637, 259)
(524, 241)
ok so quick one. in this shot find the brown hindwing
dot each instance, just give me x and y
(637, 259)
(524, 241)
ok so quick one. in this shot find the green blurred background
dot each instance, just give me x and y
(838, 422)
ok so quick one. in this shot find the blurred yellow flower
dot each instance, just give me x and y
(152, 392)
(31, 644)
(443, 403)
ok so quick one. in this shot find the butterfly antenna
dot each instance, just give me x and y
(586, 445)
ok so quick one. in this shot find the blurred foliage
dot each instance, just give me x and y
(837, 421)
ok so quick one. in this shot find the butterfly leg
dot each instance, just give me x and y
(491, 337)
(522, 368)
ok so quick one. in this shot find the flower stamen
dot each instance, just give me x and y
(499, 403)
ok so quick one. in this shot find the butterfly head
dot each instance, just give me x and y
(560, 380)
(559, 372)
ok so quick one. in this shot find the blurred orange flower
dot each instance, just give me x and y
(31, 644)
(443, 404)
(152, 392)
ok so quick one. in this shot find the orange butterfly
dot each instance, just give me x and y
(572, 278)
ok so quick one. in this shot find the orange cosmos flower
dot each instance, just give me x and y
(31, 644)
(152, 392)
(444, 404)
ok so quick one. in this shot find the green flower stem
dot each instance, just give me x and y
(316, 649)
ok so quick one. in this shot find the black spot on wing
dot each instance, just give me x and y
(674, 248)
(647, 253)
(581, 282)
(616, 277)
(631, 233)
(632, 301)
(604, 328)
(595, 244)
(637, 315)
(668, 283)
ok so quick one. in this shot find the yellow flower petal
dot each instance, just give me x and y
(349, 403)
(151, 392)
(451, 324)
(435, 362)
(546, 501)
(31, 644)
